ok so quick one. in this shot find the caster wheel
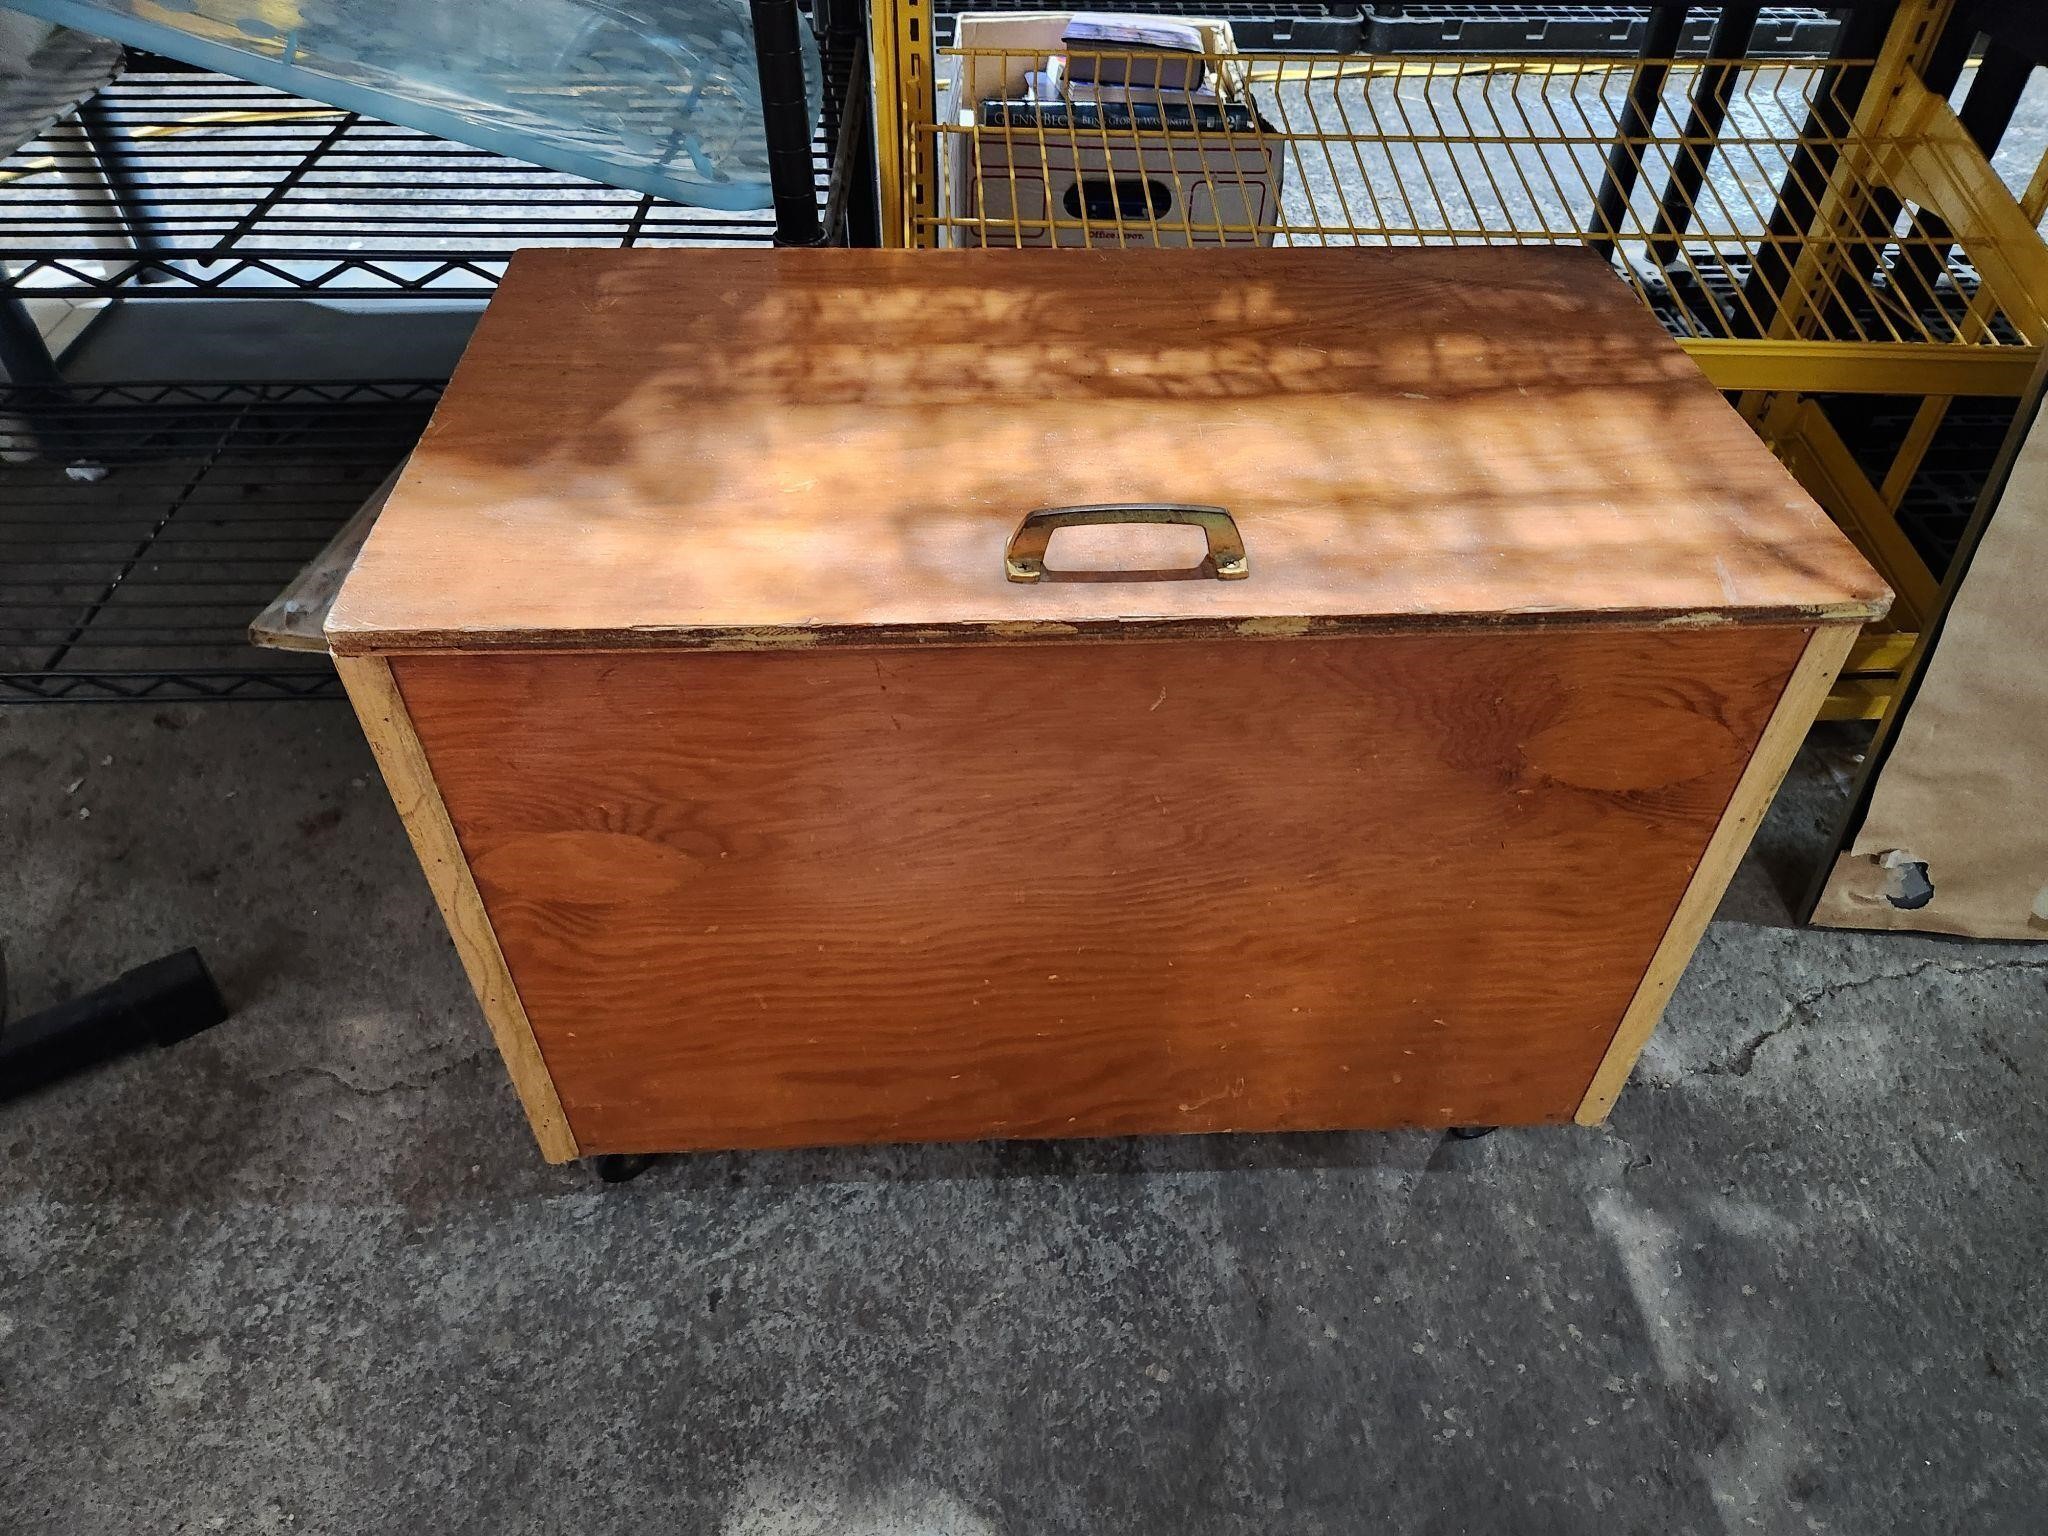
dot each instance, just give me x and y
(1470, 1132)
(618, 1167)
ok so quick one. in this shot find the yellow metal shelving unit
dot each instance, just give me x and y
(1804, 227)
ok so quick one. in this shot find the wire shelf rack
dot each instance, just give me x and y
(175, 183)
(1745, 201)
(139, 584)
(226, 188)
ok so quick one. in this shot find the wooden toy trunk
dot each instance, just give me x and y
(855, 696)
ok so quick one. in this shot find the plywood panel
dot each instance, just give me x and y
(784, 899)
(742, 448)
(1798, 706)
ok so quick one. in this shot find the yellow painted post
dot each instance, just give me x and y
(1861, 367)
(1934, 162)
(900, 40)
(886, 79)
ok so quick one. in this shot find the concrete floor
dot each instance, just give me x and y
(306, 1273)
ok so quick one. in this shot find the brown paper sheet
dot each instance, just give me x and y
(1961, 803)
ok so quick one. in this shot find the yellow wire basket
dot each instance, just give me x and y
(1793, 236)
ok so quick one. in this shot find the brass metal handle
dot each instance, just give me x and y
(1024, 560)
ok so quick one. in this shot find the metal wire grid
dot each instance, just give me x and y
(141, 584)
(234, 188)
(1682, 187)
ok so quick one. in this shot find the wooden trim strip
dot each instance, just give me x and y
(346, 639)
(397, 748)
(1798, 706)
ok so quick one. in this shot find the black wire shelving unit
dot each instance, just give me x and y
(142, 526)
(227, 189)
(174, 184)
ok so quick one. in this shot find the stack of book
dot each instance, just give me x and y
(1117, 58)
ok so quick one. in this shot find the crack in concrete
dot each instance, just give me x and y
(401, 1085)
(1803, 1009)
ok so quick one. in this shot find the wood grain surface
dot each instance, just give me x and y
(751, 448)
(774, 899)
(1798, 706)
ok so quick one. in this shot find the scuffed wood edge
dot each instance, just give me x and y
(347, 637)
(388, 726)
(1798, 706)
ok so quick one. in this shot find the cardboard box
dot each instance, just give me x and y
(1214, 179)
